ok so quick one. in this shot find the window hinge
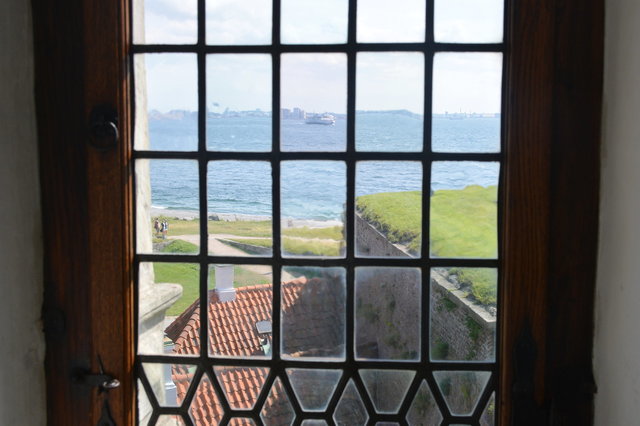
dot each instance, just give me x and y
(103, 127)
(525, 411)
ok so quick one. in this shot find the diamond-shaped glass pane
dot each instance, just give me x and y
(277, 409)
(314, 422)
(170, 382)
(241, 421)
(313, 388)
(350, 410)
(170, 420)
(488, 417)
(461, 389)
(205, 408)
(387, 388)
(241, 385)
(424, 410)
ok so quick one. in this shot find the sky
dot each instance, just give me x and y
(462, 82)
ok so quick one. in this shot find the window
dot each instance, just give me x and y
(99, 182)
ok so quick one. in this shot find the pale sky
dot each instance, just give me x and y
(467, 82)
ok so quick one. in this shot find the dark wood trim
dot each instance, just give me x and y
(551, 210)
(80, 61)
(550, 216)
(575, 182)
(525, 213)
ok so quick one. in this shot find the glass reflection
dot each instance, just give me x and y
(310, 22)
(468, 21)
(239, 102)
(388, 209)
(387, 305)
(312, 205)
(389, 101)
(231, 22)
(386, 22)
(467, 90)
(166, 107)
(314, 100)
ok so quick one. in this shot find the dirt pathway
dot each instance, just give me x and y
(221, 249)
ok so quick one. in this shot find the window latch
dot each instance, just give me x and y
(104, 382)
(103, 127)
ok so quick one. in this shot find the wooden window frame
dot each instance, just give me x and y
(549, 221)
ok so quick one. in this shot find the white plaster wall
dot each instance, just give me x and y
(617, 334)
(22, 383)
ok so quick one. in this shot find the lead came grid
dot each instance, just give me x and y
(422, 380)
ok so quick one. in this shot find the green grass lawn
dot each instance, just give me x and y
(329, 233)
(330, 248)
(463, 224)
(188, 275)
(249, 228)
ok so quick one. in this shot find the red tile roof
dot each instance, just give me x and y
(313, 325)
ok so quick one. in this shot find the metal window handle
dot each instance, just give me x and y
(103, 127)
(104, 382)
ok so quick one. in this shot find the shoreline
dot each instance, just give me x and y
(237, 217)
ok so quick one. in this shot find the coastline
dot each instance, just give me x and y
(234, 217)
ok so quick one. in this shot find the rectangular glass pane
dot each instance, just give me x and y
(313, 196)
(232, 22)
(388, 208)
(166, 106)
(240, 306)
(467, 90)
(389, 22)
(463, 314)
(313, 309)
(311, 22)
(239, 102)
(389, 101)
(468, 21)
(165, 21)
(464, 209)
(167, 217)
(387, 313)
(239, 197)
(167, 299)
(314, 102)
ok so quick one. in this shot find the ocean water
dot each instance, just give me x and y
(313, 189)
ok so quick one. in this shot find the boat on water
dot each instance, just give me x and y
(326, 119)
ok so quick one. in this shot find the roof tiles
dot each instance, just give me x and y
(312, 325)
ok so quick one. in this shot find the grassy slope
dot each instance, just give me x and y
(398, 215)
(188, 275)
(463, 224)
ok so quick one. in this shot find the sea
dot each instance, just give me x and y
(313, 189)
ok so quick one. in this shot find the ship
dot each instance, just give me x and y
(326, 119)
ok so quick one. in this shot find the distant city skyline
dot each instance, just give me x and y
(463, 82)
